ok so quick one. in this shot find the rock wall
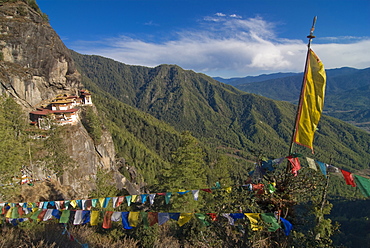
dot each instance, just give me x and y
(35, 66)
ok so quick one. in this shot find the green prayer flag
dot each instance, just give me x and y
(363, 184)
(65, 216)
(144, 219)
(15, 214)
(269, 218)
(35, 214)
(202, 219)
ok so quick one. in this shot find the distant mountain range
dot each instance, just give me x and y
(347, 94)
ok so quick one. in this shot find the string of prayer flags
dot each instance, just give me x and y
(348, 178)
(131, 219)
(363, 184)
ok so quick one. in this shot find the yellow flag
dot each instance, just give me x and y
(254, 218)
(73, 203)
(184, 218)
(312, 101)
(9, 213)
(228, 189)
(101, 201)
(133, 218)
(94, 218)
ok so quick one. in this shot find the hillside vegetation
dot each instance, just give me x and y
(218, 114)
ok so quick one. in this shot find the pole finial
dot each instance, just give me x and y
(311, 36)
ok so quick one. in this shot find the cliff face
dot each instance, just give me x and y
(35, 66)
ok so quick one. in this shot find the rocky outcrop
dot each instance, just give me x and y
(35, 66)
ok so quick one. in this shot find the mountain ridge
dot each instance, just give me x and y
(215, 112)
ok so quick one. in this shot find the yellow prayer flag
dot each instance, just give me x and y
(184, 218)
(254, 218)
(133, 218)
(134, 197)
(228, 189)
(101, 201)
(9, 213)
(94, 218)
(312, 101)
(73, 203)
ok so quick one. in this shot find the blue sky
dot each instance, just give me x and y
(227, 38)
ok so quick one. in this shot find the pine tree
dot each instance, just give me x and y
(187, 172)
(12, 155)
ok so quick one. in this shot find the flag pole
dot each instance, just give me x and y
(299, 108)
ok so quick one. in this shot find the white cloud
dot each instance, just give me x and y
(228, 46)
(235, 16)
(220, 14)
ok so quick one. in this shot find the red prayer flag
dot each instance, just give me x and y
(213, 216)
(349, 178)
(296, 165)
(259, 188)
(119, 201)
(20, 211)
(152, 218)
(207, 190)
(41, 214)
(107, 222)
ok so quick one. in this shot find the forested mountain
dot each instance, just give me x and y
(217, 113)
(347, 95)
